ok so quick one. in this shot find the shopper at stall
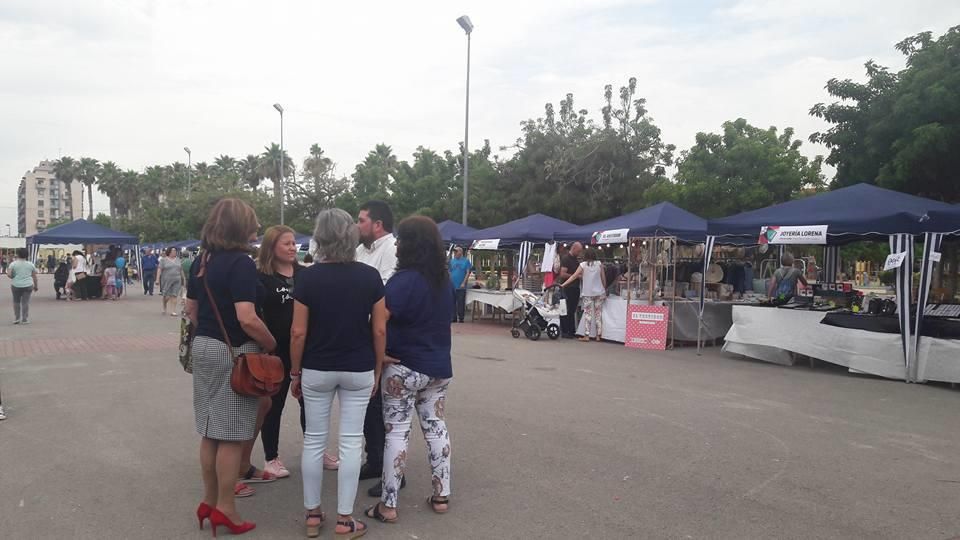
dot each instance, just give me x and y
(121, 264)
(783, 286)
(593, 293)
(337, 337)
(415, 381)
(149, 264)
(224, 282)
(51, 263)
(568, 267)
(378, 248)
(60, 276)
(460, 269)
(79, 287)
(169, 280)
(23, 275)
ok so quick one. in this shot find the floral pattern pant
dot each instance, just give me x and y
(592, 314)
(403, 391)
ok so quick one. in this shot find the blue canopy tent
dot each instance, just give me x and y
(449, 229)
(518, 234)
(82, 232)
(854, 213)
(664, 219)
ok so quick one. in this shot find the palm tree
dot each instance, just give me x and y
(250, 171)
(270, 166)
(109, 184)
(129, 194)
(226, 169)
(65, 170)
(89, 170)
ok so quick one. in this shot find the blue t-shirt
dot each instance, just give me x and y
(418, 331)
(340, 299)
(150, 262)
(232, 276)
(459, 268)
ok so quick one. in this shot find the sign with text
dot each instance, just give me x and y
(807, 234)
(894, 260)
(647, 327)
(935, 256)
(614, 236)
(491, 244)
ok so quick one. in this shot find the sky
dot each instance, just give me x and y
(134, 81)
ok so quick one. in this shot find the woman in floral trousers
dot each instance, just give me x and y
(420, 302)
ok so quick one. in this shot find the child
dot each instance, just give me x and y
(60, 280)
(109, 282)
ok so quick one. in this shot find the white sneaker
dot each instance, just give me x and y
(276, 468)
(2, 415)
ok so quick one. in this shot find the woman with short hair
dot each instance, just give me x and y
(169, 280)
(224, 419)
(24, 283)
(337, 338)
(420, 304)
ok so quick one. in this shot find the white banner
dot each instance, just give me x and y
(894, 260)
(492, 244)
(807, 234)
(615, 236)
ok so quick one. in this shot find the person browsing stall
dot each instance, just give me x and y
(460, 269)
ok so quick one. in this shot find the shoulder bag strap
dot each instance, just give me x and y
(202, 274)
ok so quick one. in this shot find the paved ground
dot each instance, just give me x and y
(551, 440)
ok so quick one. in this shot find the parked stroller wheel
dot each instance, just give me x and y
(553, 331)
(533, 333)
(515, 332)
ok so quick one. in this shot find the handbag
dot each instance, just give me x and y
(253, 374)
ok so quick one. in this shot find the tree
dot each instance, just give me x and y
(226, 171)
(372, 178)
(250, 171)
(66, 169)
(743, 169)
(899, 130)
(88, 170)
(270, 166)
(317, 188)
(110, 183)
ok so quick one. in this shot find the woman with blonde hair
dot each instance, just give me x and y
(223, 284)
(277, 270)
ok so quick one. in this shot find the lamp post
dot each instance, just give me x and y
(467, 26)
(8, 229)
(280, 175)
(189, 179)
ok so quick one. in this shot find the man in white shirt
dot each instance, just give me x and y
(378, 249)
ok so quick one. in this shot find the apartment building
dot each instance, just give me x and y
(42, 199)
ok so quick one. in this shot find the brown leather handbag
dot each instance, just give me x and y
(253, 374)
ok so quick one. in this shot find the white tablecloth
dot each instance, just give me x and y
(684, 328)
(771, 334)
(501, 299)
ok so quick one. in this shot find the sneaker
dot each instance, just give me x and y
(24, 322)
(276, 468)
(2, 415)
(16, 321)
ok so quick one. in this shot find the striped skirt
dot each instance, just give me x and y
(221, 414)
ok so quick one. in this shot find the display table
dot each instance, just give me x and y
(503, 300)
(775, 335)
(717, 318)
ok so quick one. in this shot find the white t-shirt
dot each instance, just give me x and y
(592, 283)
(382, 255)
(81, 264)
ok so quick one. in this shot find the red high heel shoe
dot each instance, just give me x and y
(203, 512)
(218, 518)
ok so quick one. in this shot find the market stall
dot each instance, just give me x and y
(449, 229)
(507, 248)
(831, 219)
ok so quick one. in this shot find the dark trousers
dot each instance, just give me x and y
(149, 276)
(568, 323)
(270, 432)
(461, 298)
(81, 288)
(374, 432)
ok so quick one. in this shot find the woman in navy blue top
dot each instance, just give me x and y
(420, 300)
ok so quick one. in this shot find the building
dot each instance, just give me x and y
(43, 199)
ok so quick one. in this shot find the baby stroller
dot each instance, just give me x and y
(540, 313)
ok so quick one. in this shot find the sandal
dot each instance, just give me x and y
(241, 490)
(252, 478)
(374, 513)
(357, 529)
(584, 338)
(435, 501)
(313, 530)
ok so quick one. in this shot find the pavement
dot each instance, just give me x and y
(550, 440)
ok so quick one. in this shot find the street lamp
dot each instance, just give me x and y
(189, 185)
(467, 26)
(280, 176)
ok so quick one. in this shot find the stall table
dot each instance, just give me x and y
(499, 300)
(775, 335)
(717, 319)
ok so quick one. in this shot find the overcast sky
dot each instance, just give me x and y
(134, 81)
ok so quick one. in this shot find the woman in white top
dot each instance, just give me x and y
(592, 293)
(79, 274)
